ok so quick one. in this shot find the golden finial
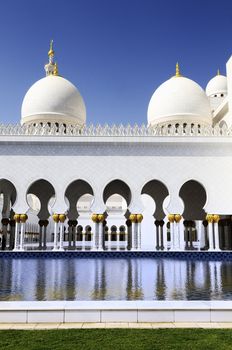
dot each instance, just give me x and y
(55, 71)
(51, 51)
(218, 72)
(178, 70)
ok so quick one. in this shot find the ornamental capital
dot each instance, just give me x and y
(56, 217)
(171, 217)
(23, 218)
(209, 218)
(178, 217)
(62, 218)
(17, 218)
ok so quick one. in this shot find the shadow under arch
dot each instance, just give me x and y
(194, 196)
(8, 190)
(117, 187)
(158, 191)
(74, 192)
(44, 191)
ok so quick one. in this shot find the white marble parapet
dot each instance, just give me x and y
(53, 129)
(115, 311)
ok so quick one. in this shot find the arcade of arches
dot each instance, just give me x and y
(117, 228)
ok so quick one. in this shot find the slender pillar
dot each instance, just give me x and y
(5, 222)
(139, 219)
(109, 240)
(178, 240)
(83, 241)
(23, 219)
(118, 241)
(201, 235)
(157, 247)
(56, 222)
(96, 231)
(46, 222)
(209, 218)
(62, 218)
(41, 223)
(17, 228)
(98, 219)
(132, 218)
(101, 218)
(165, 234)
(162, 234)
(216, 219)
(12, 234)
(70, 234)
(171, 218)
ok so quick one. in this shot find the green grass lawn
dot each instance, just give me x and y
(117, 339)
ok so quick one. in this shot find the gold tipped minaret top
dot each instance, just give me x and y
(178, 70)
(218, 72)
(51, 51)
(51, 68)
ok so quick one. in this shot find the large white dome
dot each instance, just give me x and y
(53, 99)
(179, 100)
(217, 85)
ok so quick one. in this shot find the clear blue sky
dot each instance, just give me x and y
(115, 51)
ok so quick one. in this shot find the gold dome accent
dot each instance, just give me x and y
(101, 217)
(23, 217)
(94, 218)
(17, 217)
(133, 218)
(62, 217)
(218, 72)
(55, 72)
(51, 51)
(209, 218)
(139, 218)
(178, 70)
(171, 218)
(178, 217)
(55, 217)
(216, 218)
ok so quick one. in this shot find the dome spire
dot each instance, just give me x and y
(218, 72)
(178, 70)
(51, 67)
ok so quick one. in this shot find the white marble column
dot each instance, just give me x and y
(62, 218)
(100, 246)
(23, 219)
(56, 227)
(216, 218)
(83, 241)
(17, 228)
(98, 219)
(209, 218)
(133, 231)
(171, 218)
(178, 243)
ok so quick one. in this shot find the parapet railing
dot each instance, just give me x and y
(52, 129)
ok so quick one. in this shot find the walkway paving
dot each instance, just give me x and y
(33, 326)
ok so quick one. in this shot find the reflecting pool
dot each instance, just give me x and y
(114, 279)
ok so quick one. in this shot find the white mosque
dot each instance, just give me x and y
(164, 185)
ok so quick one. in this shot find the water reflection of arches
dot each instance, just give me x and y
(153, 196)
(117, 198)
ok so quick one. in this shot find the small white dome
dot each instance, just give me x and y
(53, 99)
(179, 100)
(217, 85)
